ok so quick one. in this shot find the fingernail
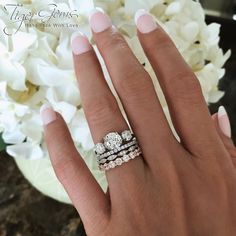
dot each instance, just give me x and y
(48, 114)
(144, 21)
(80, 43)
(224, 122)
(99, 20)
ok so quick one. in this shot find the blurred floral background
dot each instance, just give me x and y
(23, 209)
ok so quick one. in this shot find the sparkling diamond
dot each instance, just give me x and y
(112, 164)
(126, 158)
(132, 148)
(122, 153)
(99, 148)
(126, 135)
(132, 155)
(103, 161)
(118, 161)
(112, 141)
(111, 158)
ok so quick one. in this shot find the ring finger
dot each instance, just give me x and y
(100, 106)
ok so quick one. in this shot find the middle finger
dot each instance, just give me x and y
(134, 86)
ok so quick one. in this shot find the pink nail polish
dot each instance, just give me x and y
(224, 122)
(144, 21)
(99, 21)
(48, 114)
(80, 43)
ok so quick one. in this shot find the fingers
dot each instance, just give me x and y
(182, 90)
(224, 122)
(133, 85)
(222, 125)
(100, 106)
(71, 170)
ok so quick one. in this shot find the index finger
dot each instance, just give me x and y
(71, 170)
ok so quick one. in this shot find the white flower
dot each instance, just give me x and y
(80, 131)
(83, 6)
(131, 6)
(25, 150)
(10, 70)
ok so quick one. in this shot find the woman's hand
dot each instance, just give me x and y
(174, 188)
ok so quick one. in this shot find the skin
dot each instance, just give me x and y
(174, 188)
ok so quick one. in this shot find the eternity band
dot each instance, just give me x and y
(120, 161)
(119, 154)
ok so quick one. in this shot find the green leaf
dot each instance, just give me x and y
(2, 144)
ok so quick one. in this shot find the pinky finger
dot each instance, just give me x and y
(85, 193)
(222, 126)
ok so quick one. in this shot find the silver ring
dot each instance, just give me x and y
(113, 141)
(121, 148)
(116, 149)
(120, 161)
(119, 154)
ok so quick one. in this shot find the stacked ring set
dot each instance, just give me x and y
(117, 149)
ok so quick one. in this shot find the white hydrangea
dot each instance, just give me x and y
(36, 66)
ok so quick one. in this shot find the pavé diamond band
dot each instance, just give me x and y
(121, 148)
(120, 161)
(116, 149)
(118, 154)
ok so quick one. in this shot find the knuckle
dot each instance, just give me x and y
(135, 83)
(159, 42)
(129, 80)
(100, 110)
(186, 87)
(64, 169)
(162, 42)
(113, 43)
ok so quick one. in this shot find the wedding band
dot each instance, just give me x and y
(120, 161)
(119, 154)
(116, 149)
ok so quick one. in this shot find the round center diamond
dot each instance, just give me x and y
(112, 141)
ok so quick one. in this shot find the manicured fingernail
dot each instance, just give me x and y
(48, 114)
(80, 43)
(99, 20)
(224, 122)
(144, 21)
